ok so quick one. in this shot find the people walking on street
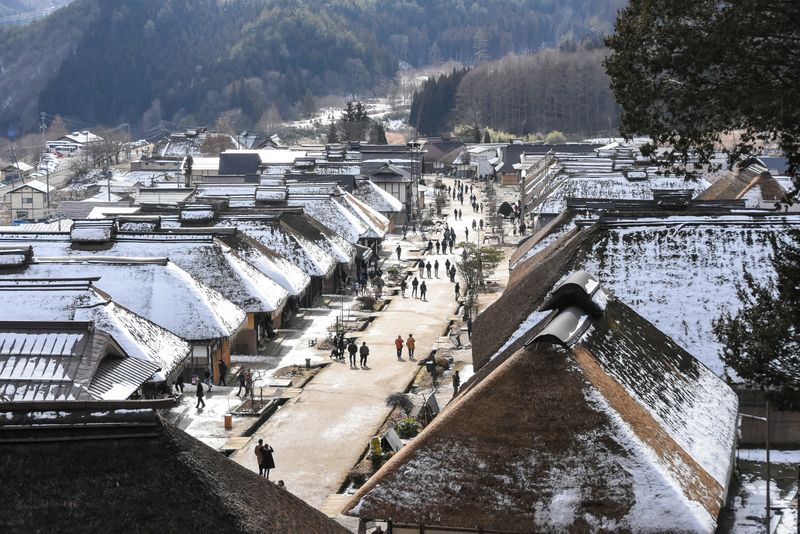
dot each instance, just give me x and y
(403, 286)
(474, 224)
(414, 285)
(259, 452)
(458, 291)
(269, 460)
(411, 343)
(421, 267)
(438, 246)
(248, 383)
(223, 370)
(428, 267)
(453, 273)
(363, 352)
(447, 267)
(241, 377)
(398, 344)
(456, 382)
(352, 348)
(451, 245)
(397, 250)
(430, 246)
(200, 395)
(423, 291)
(179, 384)
(436, 268)
(469, 327)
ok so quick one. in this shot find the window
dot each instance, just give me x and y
(22, 214)
(27, 201)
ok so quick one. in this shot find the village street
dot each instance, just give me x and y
(319, 435)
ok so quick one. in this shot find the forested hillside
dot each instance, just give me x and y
(566, 90)
(141, 61)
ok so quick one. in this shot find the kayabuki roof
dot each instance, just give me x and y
(377, 198)
(206, 259)
(156, 289)
(280, 238)
(620, 429)
(78, 301)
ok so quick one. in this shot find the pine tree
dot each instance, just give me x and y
(377, 135)
(762, 341)
(486, 137)
(333, 134)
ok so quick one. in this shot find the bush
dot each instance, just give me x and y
(367, 302)
(400, 401)
(407, 428)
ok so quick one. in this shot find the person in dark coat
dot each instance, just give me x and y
(242, 379)
(469, 327)
(447, 266)
(458, 291)
(363, 353)
(438, 246)
(398, 251)
(352, 348)
(179, 384)
(200, 395)
(456, 383)
(269, 460)
(453, 273)
(414, 285)
(430, 246)
(208, 379)
(259, 452)
(436, 268)
(403, 287)
(428, 268)
(423, 291)
(223, 370)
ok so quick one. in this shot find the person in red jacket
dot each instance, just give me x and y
(398, 343)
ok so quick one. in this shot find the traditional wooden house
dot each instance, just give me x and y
(78, 300)
(380, 200)
(67, 360)
(587, 418)
(159, 291)
(201, 254)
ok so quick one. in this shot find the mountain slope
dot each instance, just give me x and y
(141, 61)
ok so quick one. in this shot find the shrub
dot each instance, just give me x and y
(367, 302)
(407, 428)
(401, 401)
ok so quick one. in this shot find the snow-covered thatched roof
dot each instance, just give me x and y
(77, 300)
(593, 420)
(376, 197)
(204, 257)
(678, 271)
(154, 288)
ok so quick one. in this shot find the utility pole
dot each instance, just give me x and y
(43, 128)
(766, 420)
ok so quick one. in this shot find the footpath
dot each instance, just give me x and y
(320, 434)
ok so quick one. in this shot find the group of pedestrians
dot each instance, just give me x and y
(362, 351)
(409, 343)
(264, 458)
(417, 288)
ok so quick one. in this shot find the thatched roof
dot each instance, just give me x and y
(753, 184)
(599, 422)
(102, 467)
(678, 271)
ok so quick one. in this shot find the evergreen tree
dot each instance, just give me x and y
(762, 340)
(333, 134)
(377, 135)
(709, 68)
(486, 137)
